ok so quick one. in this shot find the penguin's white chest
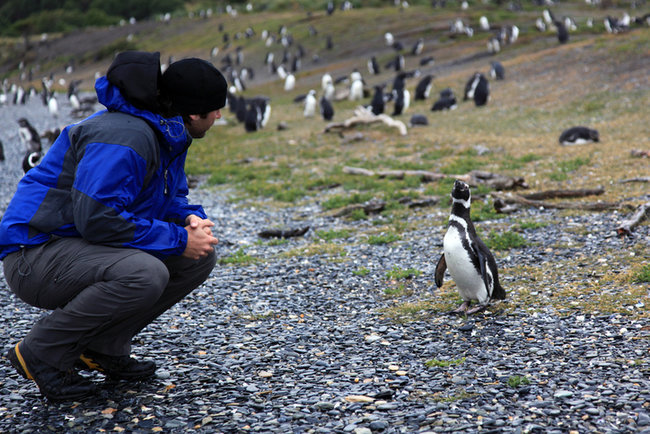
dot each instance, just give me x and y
(459, 263)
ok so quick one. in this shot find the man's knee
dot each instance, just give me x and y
(143, 275)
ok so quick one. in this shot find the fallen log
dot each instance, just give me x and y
(283, 233)
(557, 194)
(473, 178)
(364, 116)
(625, 228)
(637, 179)
(510, 198)
(371, 207)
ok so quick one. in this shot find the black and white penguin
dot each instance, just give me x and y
(373, 66)
(402, 99)
(497, 71)
(29, 136)
(478, 89)
(423, 88)
(429, 60)
(326, 109)
(578, 136)
(562, 32)
(377, 104)
(241, 109)
(417, 47)
(445, 103)
(2, 152)
(31, 160)
(471, 264)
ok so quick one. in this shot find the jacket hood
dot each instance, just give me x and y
(121, 97)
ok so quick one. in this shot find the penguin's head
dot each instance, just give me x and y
(461, 193)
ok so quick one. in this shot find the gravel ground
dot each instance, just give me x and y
(300, 343)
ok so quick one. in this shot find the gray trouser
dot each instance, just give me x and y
(100, 296)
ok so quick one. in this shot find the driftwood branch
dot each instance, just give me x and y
(364, 116)
(473, 178)
(283, 233)
(503, 199)
(371, 207)
(558, 194)
(637, 179)
(625, 228)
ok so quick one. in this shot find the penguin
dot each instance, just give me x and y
(429, 60)
(402, 101)
(478, 89)
(310, 104)
(326, 109)
(53, 106)
(417, 47)
(289, 82)
(31, 160)
(29, 136)
(2, 152)
(241, 109)
(423, 88)
(444, 103)
(377, 104)
(562, 32)
(373, 66)
(497, 71)
(484, 24)
(470, 262)
(356, 88)
(418, 120)
(578, 136)
(325, 81)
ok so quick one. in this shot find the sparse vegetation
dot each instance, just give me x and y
(504, 241)
(444, 363)
(240, 257)
(397, 273)
(518, 380)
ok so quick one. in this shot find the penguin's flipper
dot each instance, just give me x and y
(440, 270)
(482, 260)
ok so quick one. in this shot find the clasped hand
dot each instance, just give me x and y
(200, 240)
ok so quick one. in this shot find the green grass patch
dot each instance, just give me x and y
(518, 380)
(362, 271)
(398, 273)
(484, 210)
(435, 363)
(643, 275)
(563, 168)
(238, 258)
(515, 163)
(504, 241)
(333, 234)
(319, 249)
(340, 201)
(396, 290)
(532, 225)
(381, 239)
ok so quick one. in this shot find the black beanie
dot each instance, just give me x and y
(194, 86)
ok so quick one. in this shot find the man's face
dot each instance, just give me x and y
(199, 125)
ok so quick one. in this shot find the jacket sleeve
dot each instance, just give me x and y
(108, 179)
(180, 207)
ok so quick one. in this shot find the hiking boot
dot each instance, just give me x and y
(117, 367)
(54, 384)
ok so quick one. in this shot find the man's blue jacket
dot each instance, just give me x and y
(116, 178)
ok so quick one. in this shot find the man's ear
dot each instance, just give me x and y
(193, 117)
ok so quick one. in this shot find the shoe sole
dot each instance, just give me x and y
(18, 362)
(88, 364)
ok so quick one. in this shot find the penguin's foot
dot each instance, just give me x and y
(461, 309)
(478, 308)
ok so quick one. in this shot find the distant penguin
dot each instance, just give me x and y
(53, 106)
(562, 32)
(31, 160)
(356, 87)
(444, 103)
(326, 109)
(241, 109)
(429, 60)
(251, 123)
(377, 104)
(373, 66)
(484, 24)
(578, 136)
(497, 71)
(325, 80)
(2, 152)
(471, 264)
(477, 88)
(289, 82)
(417, 47)
(418, 120)
(423, 88)
(402, 100)
(310, 104)
(29, 136)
